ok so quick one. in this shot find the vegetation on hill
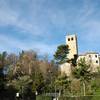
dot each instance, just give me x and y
(29, 76)
(26, 72)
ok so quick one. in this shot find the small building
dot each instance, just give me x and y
(91, 58)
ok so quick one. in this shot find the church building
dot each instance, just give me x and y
(91, 58)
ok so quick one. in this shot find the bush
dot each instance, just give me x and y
(76, 98)
(40, 97)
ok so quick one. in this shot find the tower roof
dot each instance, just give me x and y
(68, 34)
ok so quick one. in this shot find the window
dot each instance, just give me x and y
(68, 39)
(96, 56)
(72, 38)
(96, 61)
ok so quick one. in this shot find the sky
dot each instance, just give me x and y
(42, 25)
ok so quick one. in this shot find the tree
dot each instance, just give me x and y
(28, 73)
(38, 81)
(3, 64)
(12, 59)
(3, 59)
(83, 73)
(20, 71)
(74, 60)
(62, 83)
(61, 54)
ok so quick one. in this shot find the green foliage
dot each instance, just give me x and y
(61, 54)
(2, 65)
(74, 60)
(96, 88)
(95, 84)
(28, 74)
(21, 83)
(76, 98)
(3, 59)
(61, 80)
(40, 97)
(82, 71)
(38, 81)
(62, 83)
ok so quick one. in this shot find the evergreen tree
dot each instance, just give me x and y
(61, 54)
(83, 73)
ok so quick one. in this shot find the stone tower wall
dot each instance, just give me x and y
(71, 41)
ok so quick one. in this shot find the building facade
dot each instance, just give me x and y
(91, 58)
(71, 41)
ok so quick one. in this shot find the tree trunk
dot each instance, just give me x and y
(84, 89)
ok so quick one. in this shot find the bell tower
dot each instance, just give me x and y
(71, 41)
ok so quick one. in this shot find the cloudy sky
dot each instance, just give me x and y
(42, 25)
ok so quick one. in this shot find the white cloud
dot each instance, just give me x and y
(11, 43)
(41, 20)
(10, 17)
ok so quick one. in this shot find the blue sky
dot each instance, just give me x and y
(42, 25)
